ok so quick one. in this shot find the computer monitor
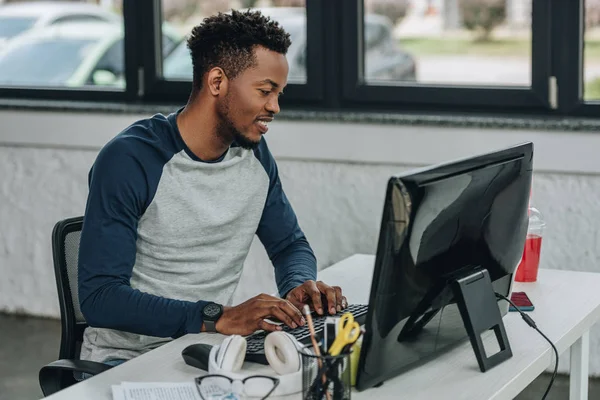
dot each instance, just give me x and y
(441, 224)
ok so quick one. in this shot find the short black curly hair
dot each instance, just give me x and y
(228, 41)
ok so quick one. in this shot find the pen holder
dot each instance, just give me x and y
(325, 377)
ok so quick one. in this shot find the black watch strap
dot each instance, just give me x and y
(210, 326)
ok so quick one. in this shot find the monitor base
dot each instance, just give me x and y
(479, 310)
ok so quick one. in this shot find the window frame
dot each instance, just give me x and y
(423, 97)
(334, 48)
(569, 27)
(131, 21)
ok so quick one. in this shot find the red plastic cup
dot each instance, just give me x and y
(528, 268)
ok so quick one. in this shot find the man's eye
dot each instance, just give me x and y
(265, 92)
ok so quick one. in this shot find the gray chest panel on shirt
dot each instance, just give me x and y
(196, 233)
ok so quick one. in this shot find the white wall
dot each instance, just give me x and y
(333, 173)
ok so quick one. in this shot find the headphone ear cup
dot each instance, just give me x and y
(281, 350)
(232, 353)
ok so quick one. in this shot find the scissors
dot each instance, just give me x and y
(348, 333)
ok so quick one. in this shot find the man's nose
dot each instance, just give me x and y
(273, 105)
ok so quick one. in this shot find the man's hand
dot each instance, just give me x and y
(310, 293)
(249, 316)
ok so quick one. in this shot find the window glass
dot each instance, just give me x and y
(110, 69)
(60, 44)
(182, 16)
(55, 62)
(591, 51)
(452, 42)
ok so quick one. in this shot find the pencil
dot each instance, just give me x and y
(311, 330)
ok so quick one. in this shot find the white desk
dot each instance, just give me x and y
(567, 305)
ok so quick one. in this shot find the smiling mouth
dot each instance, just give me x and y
(263, 126)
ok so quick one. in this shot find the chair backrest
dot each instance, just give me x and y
(65, 251)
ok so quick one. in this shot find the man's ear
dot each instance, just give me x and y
(217, 81)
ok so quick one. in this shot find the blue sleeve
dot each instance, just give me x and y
(121, 185)
(279, 232)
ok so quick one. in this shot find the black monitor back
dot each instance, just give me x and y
(439, 224)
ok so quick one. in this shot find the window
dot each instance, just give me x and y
(464, 42)
(476, 56)
(55, 48)
(574, 58)
(59, 55)
(171, 79)
(428, 55)
(591, 69)
(181, 17)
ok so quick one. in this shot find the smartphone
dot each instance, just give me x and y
(522, 301)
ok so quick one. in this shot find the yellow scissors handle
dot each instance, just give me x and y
(347, 318)
(348, 332)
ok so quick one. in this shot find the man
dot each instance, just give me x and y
(175, 202)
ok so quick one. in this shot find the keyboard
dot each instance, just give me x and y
(255, 350)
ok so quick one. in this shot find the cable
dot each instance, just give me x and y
(532, 324)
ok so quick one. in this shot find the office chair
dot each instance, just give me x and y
(65, 250)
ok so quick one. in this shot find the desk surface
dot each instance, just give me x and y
(567, 304)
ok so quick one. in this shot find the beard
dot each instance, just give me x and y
(228, 132)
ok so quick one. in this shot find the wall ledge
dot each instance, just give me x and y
(464, 120)
(564, 151)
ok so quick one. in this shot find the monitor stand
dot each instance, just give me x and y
(479, 310)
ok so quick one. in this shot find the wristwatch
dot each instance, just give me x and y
(211, 314)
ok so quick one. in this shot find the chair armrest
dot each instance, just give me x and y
(59, 374)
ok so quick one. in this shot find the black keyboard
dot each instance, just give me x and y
(255, 350)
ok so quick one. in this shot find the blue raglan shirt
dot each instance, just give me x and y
(165, 232)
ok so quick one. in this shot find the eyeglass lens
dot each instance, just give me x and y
(221, 388)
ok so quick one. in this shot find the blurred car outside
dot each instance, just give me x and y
(18, 18)
(71, 55)
(384, 59)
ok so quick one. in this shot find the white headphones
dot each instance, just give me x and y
(281, 350)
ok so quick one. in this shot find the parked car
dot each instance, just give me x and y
(17, 18)
(384, 59)
(70, 54)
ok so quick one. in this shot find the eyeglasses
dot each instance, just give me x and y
(221, 387)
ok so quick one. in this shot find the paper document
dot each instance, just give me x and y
(155, 391)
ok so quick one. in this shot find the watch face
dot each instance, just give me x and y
(212, 310)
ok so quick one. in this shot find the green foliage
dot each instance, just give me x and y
(591, 90)
(395, 10)
(482, 16)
